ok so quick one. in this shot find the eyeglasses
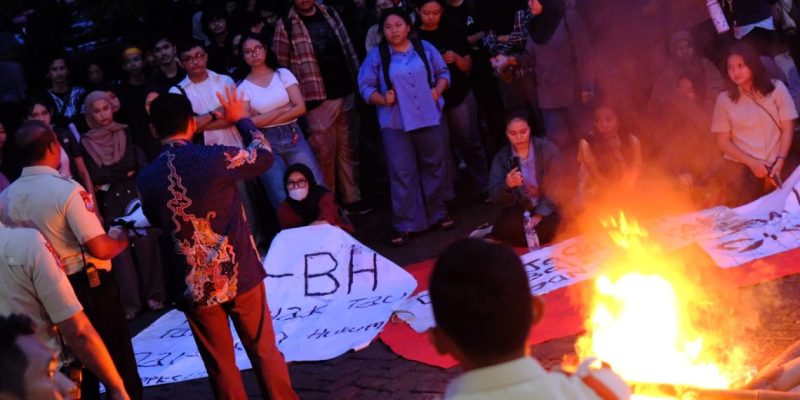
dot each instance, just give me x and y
(254, 51)
(298, 184)
(197, 58)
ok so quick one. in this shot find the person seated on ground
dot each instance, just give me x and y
(485, 282)
(684, 62)
(608, 158)
(308, 203)
(523, 177)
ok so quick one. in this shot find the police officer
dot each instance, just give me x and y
(64, 213)
(32, 283)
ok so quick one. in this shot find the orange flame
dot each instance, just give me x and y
(641, 319)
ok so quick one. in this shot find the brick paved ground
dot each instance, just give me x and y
(377, 373)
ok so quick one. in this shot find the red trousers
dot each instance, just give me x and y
(251, 318)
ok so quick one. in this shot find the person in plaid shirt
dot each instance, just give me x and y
(313, 42)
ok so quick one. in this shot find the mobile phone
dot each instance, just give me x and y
(514, 161)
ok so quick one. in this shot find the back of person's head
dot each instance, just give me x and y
(33, 139)
(170, 115)
(13, 361)
(481, 299)
(761, 80)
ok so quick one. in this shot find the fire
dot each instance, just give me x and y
(641, 321)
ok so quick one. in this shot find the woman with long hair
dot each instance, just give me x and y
(405, 79)
(275, 104)
(754, 123)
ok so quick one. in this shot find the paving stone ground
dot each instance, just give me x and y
(376, 373)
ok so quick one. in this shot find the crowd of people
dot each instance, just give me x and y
(222, 119)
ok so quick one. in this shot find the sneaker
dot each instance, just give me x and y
(481, 231)
(357, 208)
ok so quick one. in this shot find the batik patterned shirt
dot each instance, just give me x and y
(189, 191)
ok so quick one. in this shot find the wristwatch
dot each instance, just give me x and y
(213, 116)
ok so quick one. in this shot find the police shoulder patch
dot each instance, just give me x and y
(87, 200)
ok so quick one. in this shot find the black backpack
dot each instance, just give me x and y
(383, 47)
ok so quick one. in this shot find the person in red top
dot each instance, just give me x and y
(308, 203)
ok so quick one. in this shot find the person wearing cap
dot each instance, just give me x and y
(64, 213)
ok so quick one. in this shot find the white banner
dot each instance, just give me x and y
(327, 293)
(767, 226)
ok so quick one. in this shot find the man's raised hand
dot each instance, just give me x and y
(233, 106)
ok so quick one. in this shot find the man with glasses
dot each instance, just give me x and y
(190, 193)
(200, 86)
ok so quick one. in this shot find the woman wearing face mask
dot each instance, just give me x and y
(753, 121)
(307, 202)
(113, 162)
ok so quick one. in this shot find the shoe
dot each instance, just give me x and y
(357, 208)
(155, 305)
(481, 231)
(400, 238)
(445, 224)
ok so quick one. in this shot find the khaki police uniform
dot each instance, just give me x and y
(59, 208)
(64, 213)
(33, 283)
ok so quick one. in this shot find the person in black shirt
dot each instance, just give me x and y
(131, 95)
(313, 42)
(460, 108)
(168, 73)
(220, 49)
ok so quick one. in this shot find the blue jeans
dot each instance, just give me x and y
(416, 163)
(289, 147)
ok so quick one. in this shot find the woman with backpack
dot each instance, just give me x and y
(404, 78)
(753, 121)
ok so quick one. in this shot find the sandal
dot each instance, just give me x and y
(400, 238)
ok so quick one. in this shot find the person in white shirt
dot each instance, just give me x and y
(275, 102)
(754, 123)
(201, 86)
(484, 310)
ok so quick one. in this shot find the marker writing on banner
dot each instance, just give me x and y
(325, 333)
(289, 313)
(319, 276)
(375, 301)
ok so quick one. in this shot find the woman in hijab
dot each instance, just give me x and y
(558, 52)
(113, 162)
(308, 203)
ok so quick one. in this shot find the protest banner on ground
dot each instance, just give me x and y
(327, 294)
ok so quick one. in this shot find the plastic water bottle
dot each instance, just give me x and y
(530, 232)
(717, 16)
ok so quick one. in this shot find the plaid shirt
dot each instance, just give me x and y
(303, 63)
(516, 39)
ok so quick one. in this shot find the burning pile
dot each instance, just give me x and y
(644, 317)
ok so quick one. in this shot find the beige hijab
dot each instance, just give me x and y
(105, 144)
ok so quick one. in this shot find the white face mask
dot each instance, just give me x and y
(298, 194)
